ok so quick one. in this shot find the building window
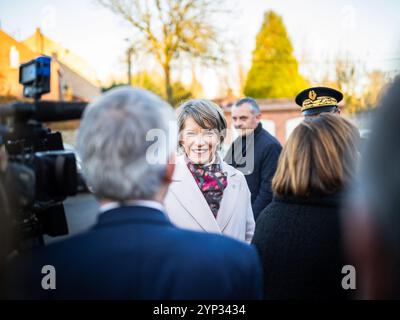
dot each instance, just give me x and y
(14, 58)
(291, 124)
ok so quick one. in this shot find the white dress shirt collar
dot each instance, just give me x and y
(142, 203)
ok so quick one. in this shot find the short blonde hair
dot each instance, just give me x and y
(319, 156)
(205, 113)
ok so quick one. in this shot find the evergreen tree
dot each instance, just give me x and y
(274, 71)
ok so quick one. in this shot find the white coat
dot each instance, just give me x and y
(187, 208)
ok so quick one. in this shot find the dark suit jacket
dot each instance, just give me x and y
(134, 252)
(266, 150)
(300, 246)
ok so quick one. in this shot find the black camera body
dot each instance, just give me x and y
(40, 174)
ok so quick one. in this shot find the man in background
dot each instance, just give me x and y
(255, 152)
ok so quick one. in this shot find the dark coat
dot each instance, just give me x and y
(136, 253)
(300, 247)
(266, 152)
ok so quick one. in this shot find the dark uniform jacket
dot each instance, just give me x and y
(265, 151)
(300, 247)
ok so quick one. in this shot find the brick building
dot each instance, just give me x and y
(12, 53)
(71, 77)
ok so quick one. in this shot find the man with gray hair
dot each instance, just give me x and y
(127, 145)
(255, 152)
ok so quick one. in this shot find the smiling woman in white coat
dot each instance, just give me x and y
(207, 194)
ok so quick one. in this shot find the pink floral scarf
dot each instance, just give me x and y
(212, 182)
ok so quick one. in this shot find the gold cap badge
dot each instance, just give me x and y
(312, 95)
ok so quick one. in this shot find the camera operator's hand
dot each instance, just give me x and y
(6, 209)
(3, 159)
(5, 227)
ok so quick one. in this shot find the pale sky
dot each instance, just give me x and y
(368, 31)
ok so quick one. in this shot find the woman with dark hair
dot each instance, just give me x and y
(298, 234)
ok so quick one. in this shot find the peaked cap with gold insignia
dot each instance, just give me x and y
(318, 99)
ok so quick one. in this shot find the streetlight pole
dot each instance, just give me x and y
(129, 60)
(129, 53)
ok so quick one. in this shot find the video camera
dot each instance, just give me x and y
(39, 174)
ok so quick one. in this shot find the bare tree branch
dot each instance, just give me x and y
(171, 29)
